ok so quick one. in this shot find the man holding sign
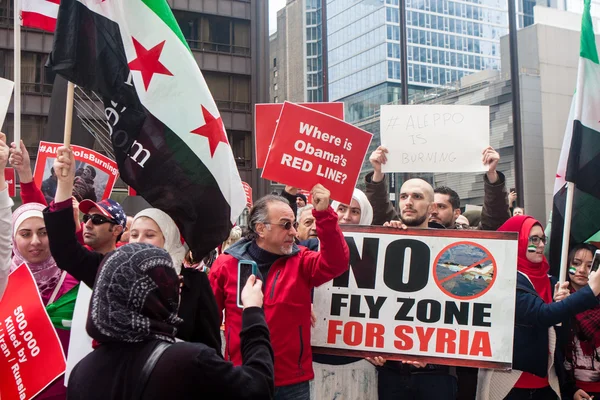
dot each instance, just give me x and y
(289, 274)
(447, 203)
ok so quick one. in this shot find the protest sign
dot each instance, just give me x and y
(310, 147)
(265, 121)
(31, 356)
(6, 89)
(131, 191)
(9, 177)
(248, 191)
(95, 174)
(434, 138)
(438, 296)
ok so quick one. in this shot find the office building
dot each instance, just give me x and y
(298, 53)
(548, 57)
(446, 40)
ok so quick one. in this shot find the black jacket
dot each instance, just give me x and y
(198, 308)
(184, 371)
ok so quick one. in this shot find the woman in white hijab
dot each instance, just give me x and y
(197, 307)
(358, 212)
(155, 227)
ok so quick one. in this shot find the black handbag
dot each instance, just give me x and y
(153, 358)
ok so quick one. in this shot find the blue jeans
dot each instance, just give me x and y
(297, 391)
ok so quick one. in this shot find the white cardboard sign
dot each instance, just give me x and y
(439, 296)
(6, 89)
(434, 138)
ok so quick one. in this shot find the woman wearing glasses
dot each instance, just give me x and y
(537, 362)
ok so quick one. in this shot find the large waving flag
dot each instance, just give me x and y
(580, 157)
(39, 14)
(167, 134)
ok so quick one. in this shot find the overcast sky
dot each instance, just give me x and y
(274, 6)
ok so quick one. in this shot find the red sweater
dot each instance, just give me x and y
(30, 193)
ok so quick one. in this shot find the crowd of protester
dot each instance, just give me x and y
(167, 323)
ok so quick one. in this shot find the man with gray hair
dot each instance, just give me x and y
(307, 228)
(289, 274)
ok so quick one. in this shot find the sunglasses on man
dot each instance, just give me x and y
(98, 219)
(285, 225)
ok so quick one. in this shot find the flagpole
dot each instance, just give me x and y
(570, 185)
(566, 231)
(68, 118)
(69, 114)
(17, 74)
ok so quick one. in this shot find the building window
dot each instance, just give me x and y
(241, 146)
(275, 73)
(214, 33)
(275, 99)
(274, 62)
(231, 92)
(275, 87)
(33, 74)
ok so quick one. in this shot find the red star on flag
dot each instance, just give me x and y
(147, 62)
(213, 130)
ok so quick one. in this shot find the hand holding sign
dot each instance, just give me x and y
(491, 158)
(64, 162)
(19, 159)
(4, 151)
(320, 197)
(377, 159)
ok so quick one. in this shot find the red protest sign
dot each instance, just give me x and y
(265, 121)
(31, 356)
(95, 174)
(9, 177)
(310, 147)
(131, 191)
(248, 191)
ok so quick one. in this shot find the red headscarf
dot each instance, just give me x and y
(536, 272)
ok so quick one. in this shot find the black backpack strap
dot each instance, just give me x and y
(153, 358)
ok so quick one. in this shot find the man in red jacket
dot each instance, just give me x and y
(289, 273)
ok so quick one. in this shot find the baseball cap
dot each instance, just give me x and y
(108, 207)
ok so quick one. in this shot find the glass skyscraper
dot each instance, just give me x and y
(446, 39)
(314, 51)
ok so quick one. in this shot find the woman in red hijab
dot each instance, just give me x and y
(535, 361)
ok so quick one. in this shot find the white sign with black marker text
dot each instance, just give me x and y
(434, 138)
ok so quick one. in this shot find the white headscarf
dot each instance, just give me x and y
(170, 231)
(366, 210)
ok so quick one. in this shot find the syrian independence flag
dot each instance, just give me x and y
(167, 134)
(40, 14)
(580, 157)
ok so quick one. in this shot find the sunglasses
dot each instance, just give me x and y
(98, 219)
(537, 239)
(285, 225)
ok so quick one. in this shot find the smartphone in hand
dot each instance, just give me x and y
(245, 269)
(596, 261)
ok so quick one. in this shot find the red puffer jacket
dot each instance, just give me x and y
(287, 298)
